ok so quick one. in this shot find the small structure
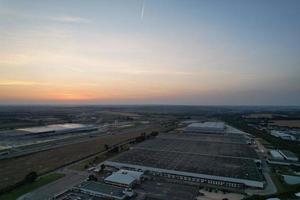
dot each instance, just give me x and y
(276, 155)
(99, 189)
(135, 174)
(283, 135)
(289, 155)
(119, 179)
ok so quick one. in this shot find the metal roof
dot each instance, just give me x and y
(208, 125)
(276, 154)
(54, 127)
(120, 178)
(135, 174)
(102, 188)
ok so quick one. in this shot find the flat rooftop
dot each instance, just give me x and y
(192, 163)
(232, 138)
(199, 147)
(217, 125)
(120, 178)
(52, 128)
(102, 188)
(289, 154)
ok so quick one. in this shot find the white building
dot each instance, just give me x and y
(282, 135)
(122, 180)
(58, 129)
(276, 155)
(289, 155)
(135, 174)
(192, 177)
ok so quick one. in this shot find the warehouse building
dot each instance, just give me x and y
(124, 178)
(119, 179)
(199, 147)
(283, 135)
(213, 170)
(232, 138)
(99, 189)
(276, 155)
(224, 164)
(206, 127)
(290, 156)
(57, 129)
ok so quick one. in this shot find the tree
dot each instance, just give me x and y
(31, 177)
(92, 178)
(102, 167)
(154, 133)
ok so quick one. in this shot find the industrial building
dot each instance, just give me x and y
(222, 171)
(187, 158)
(290, 156)
(283, 135)
(119, 179)
(46, 131)
(199, 147)
(229, 138)
(99, 189)
(124, 178)
(276, 155)
(283, 155)
(206, 127)
(34, 135)
(58, 129)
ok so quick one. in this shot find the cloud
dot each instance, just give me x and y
(18, 83)
(58, 18)
(69, 19)
(142, 10)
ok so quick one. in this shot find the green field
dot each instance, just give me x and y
(14, 194)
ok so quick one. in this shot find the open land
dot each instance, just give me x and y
(14, 170)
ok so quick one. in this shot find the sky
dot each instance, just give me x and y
(191, 52)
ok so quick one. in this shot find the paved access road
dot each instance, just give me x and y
(270, 186)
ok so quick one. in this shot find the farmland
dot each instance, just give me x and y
(14, 170)
(286, 123)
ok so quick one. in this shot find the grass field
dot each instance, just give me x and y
(81, 166)
(14, 194)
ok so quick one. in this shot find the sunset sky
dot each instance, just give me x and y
(198, 52)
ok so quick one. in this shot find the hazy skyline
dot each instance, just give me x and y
(150, 52)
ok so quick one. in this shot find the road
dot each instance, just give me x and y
(71, 179)
(270, 186)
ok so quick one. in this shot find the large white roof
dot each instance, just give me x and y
(135, 174)
(276, 154)
(54, 127)
(120, 178)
